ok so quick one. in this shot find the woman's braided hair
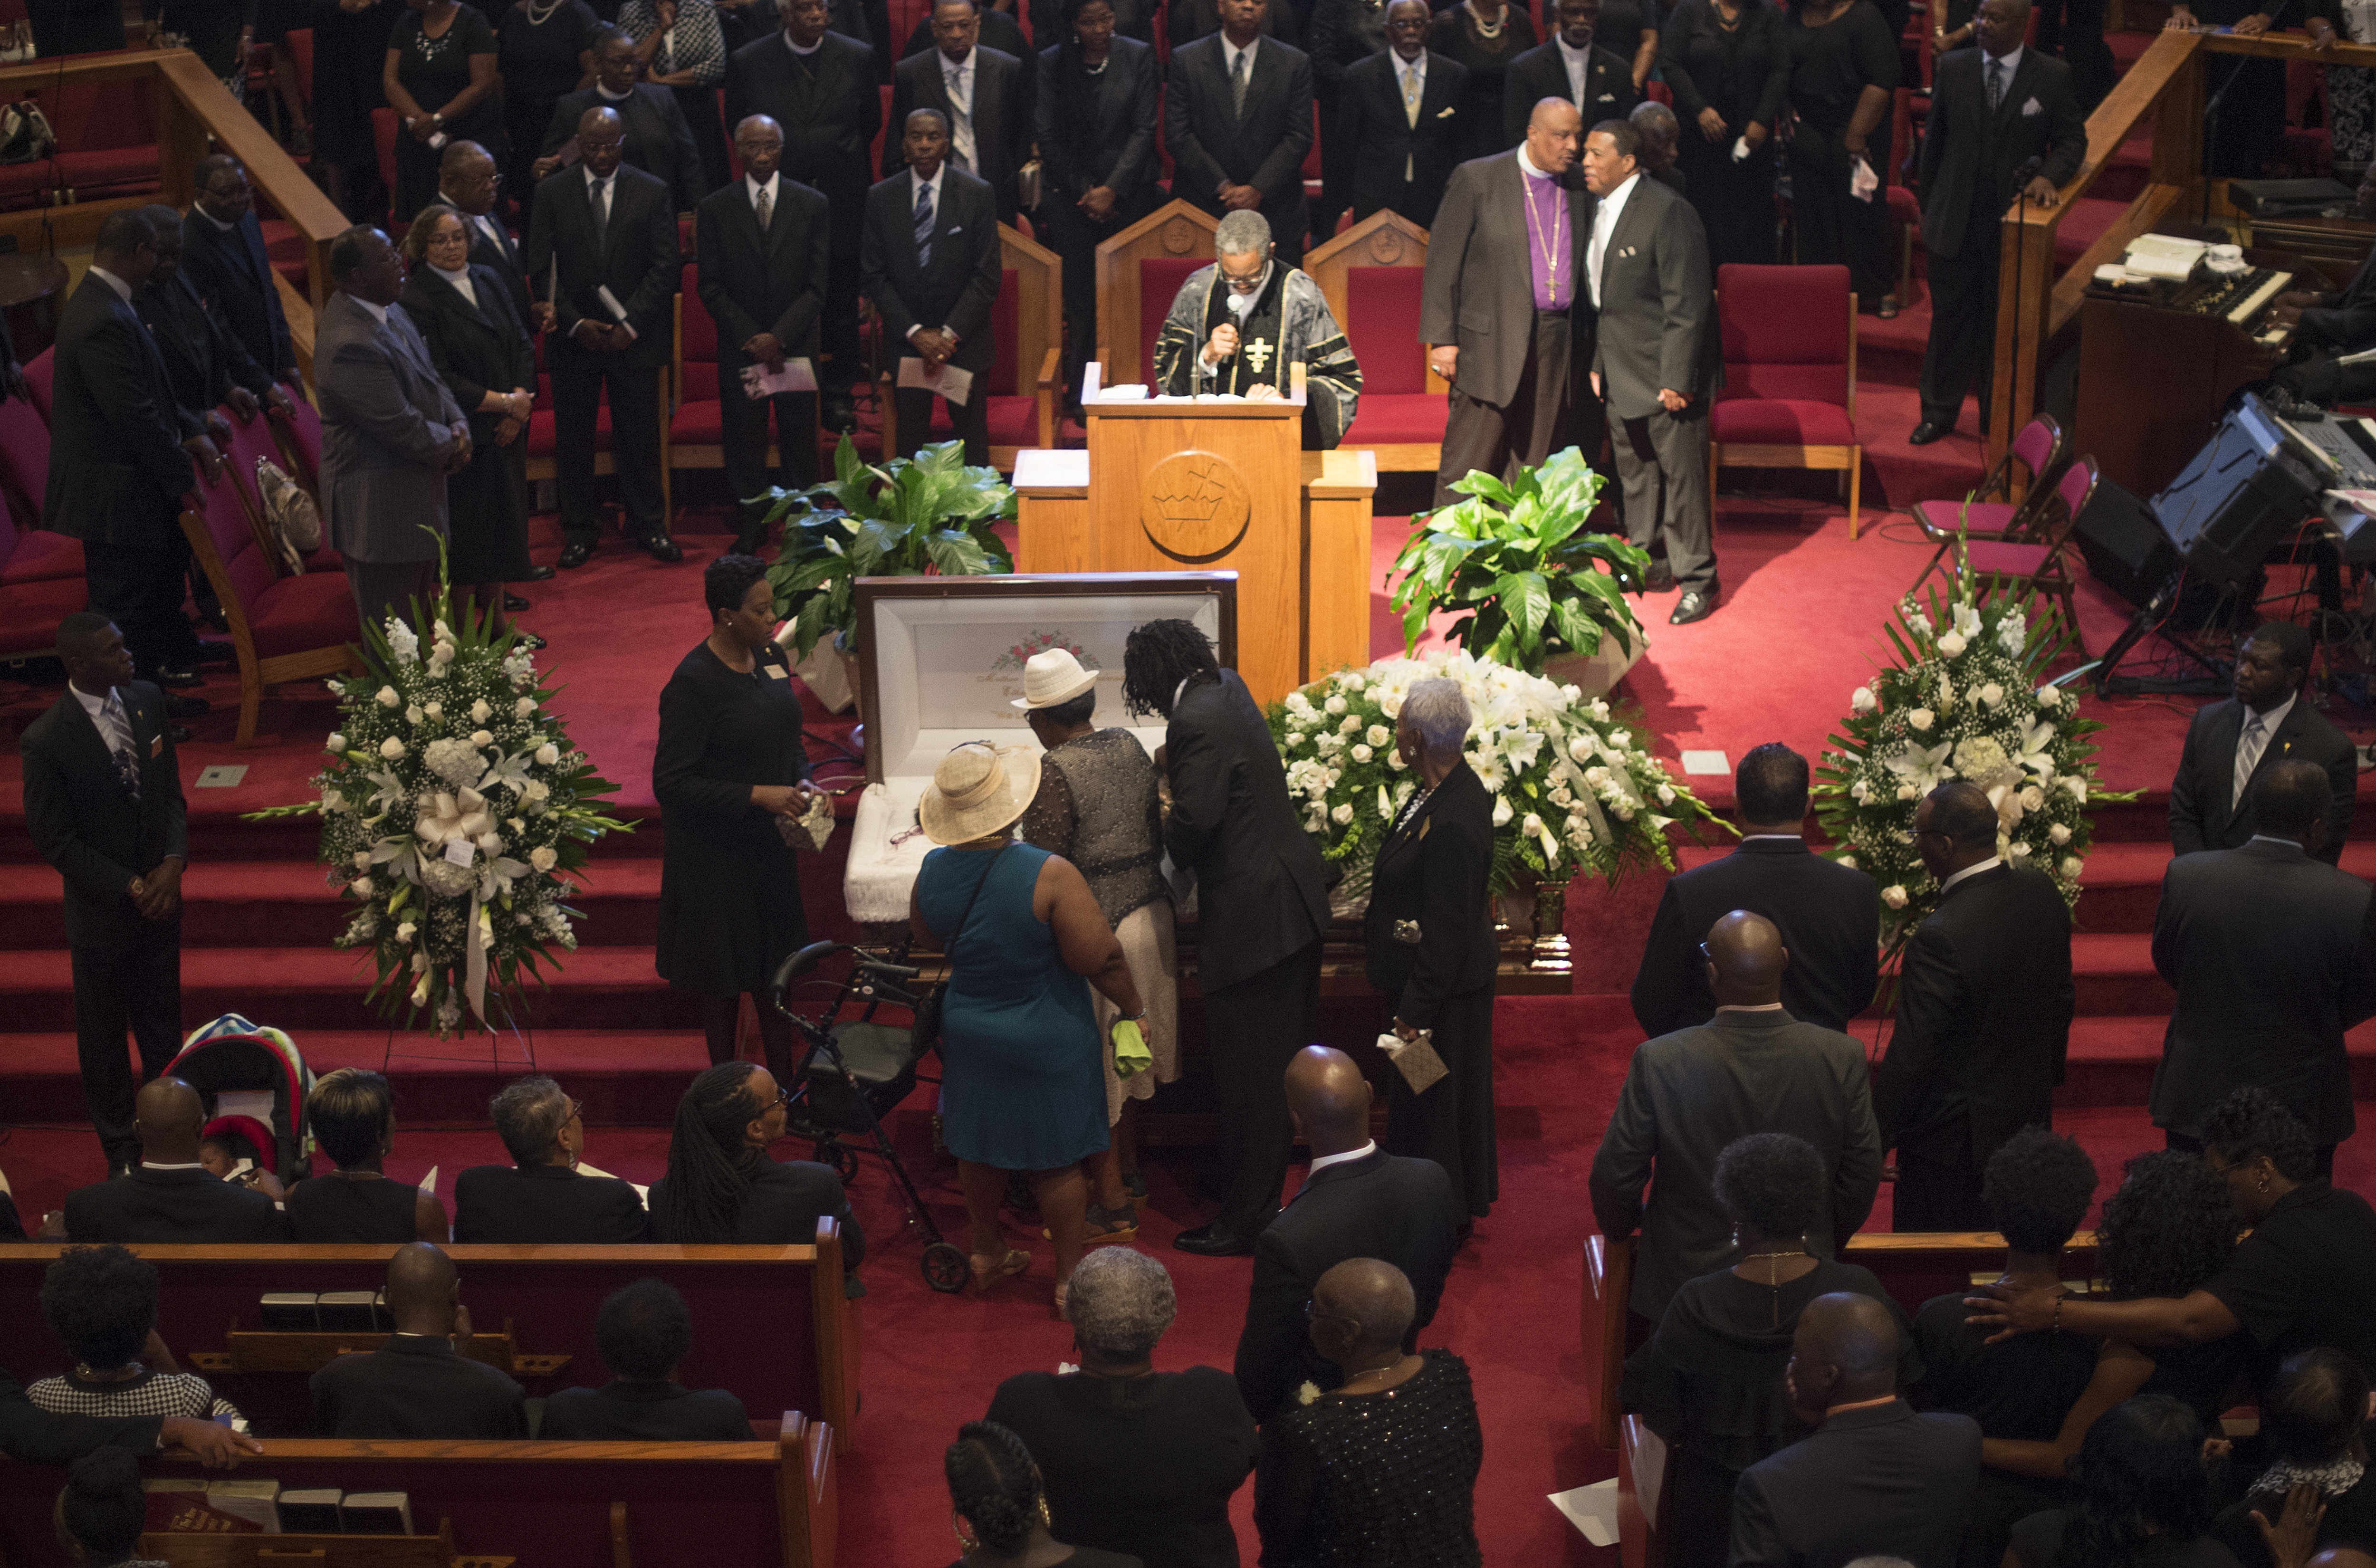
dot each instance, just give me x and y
(994, 1484)
(708, 1163)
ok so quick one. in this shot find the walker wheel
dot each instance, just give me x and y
(947, 1268)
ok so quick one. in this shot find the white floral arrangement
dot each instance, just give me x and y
(454, 810)
(1967, 698)
(1575, 786)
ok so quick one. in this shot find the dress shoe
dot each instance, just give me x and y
(535, 574)
(838, 412)
(530, 641)
(514, 604)
(187, 707)
(1659, 578)
(1697, 605)
(574, 554)
(171, 678)
(1212, 1242)
(664, 549)
(181, 733)
(1928, 431)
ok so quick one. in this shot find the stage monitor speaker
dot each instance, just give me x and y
(2124, 542)
(2241, 493)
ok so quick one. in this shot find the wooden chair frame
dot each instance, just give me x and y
(1039, 334)
(1175, 229)
(1385, 238)
(1762, 455)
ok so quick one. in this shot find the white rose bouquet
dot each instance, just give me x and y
(454, 810)
(1575, 786)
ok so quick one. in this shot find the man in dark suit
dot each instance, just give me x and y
(984, 94)
(419, 1382)
(1262, 907)
(930, 266)
(1655, 358)
(643, 1331)
(543, 1196)
(169, 1196)
(121, 457)
(1984, 1004)
(998, 31)
(1756, 1068)
(657, 139)
(467, 182)
(1598, 81)
(605, 228)
(1497, 301)
(819, 87)
(1828, 914)
(103, 804)
(2267, 721)
(206, 366)
(1341, 34)
(1237, 120)
(1401, 110)
(1875, 1478)
(763, 245)
(1356, 1202)
(2261, 944)
(223, 254)
(1996, 112)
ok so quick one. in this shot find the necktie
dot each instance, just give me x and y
(923, 224)
(2248, 754)
(960, 120)
(1410, 113)
(115, 729)
(487, 227)
(763, 207)
(1996, 84)
(602, 205)
(1238, 84)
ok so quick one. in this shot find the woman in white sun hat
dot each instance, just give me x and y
(1022, 1085)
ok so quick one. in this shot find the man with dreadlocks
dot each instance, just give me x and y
(1262, 907)
(1236, 327)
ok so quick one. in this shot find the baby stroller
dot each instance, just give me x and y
(855, 1072)
(254, 1072)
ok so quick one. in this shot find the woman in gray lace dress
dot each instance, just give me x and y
(1097, 808)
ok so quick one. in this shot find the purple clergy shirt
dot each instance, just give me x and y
(1550, 247)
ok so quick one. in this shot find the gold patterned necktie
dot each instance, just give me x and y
(763, 208)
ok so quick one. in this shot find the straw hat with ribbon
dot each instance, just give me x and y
(1052, 678)
(976, 790)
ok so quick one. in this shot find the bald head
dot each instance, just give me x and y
(1329, 1100)
(1555, 136)
(1745, 959)
(167, 1114)
(1845, 1351)
(423, 1290)
(1361, 1309)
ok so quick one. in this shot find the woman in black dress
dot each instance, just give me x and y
(1842, 72)
(351, 40)
(1710, 1380)
(1727, 65)
(1484, 36)
(545, 51)
(1627, 28)
(1000, 1511)
(2142, 1498)
(353, 1119)
(439, 77)
(481, 347)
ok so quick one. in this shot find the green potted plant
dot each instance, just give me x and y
(1534, 590)
(908, 517)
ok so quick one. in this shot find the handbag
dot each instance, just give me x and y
(25, 134)
(928, 1007)
(295, 521)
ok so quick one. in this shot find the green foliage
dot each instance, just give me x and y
(910, 518)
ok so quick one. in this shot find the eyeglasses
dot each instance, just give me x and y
(577, 1111)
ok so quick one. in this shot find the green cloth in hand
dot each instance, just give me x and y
(1130, 1052)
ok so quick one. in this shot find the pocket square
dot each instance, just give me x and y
(956, 228)
(1608, 98)
(1446, 114)
(1627, 251)
(2032, 107)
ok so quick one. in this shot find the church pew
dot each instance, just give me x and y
(769, 1323)
(488, 1503)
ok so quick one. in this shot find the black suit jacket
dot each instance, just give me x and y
(1262, 892)
(1133, 19)
(830, 109)
(203, 361)
(1878, 1482)
(782, 1207)
(475, 348)
(960, 285)
(2203, 810)
(1829, 916)
(1370, 116)
(1264, 148)
(629, 1411)
(1656, 324)
(1541, 72)
(2262, 945)
(659, 140)
(638, 259)
(504, 259)
(1190, 21)
(1003, 85)
(234, 272)
(83, 823)
(999, 31)
(1103, 136)
(1972, 160)
(544, 1203)
(194, 1207)
(416, 1386)
(117, 470)
(752, 282)
(1984, 1004)
(1433, 873)
(1381, 1205)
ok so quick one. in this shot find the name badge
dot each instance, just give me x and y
(1407, 932)
(156, 745)
(779, 673)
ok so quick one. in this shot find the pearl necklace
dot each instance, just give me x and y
(536, 19)
(1484, 28)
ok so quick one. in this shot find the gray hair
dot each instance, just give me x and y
(529, 1115)
(1243, 232)
(1438, 710)
(1121, 1303)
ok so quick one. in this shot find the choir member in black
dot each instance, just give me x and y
(658, 140)
(983, 92)
(1727, 65)
(1096, 107)
(469, 182)
(2243, 95)
(1237, 120)
(1629, 28)
(1483, 37)
(544, 51)
(208, 366)
(222, 246)
(999, 31)
(1843, 70)
(351, 39)
(930, 267)
(1574, 65)
(481, 347)
(1404, 109)
(1343, 34)
(682, 46)
(439, 76)
(1133, 19)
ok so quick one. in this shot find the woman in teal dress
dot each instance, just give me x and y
(1023, 1074)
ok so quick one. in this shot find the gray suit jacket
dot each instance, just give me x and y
(1656, 322)
(1689, 1094)
(1478, 292)
(386, 434)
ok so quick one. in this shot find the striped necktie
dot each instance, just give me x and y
(115, 729)
(923, 224)
(1238, 85)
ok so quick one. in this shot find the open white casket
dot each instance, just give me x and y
(940, 663)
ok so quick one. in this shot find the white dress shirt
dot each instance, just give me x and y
(461, 281)
(2011, 62)
(797, 48)
(123, 290)
(1576, 61)
(1605, 214)
(1325, 1160)
(606, 95)
(1229, 52)
(379, 313)
(1410, 83)
(2252, 744)
(599, 193)
(94, 705)
(1990, 864)
(752, 186)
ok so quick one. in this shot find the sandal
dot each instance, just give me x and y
(1014, 1262)
(1105, 1225)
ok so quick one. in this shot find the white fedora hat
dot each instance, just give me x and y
(1052, 678)
(976, 790)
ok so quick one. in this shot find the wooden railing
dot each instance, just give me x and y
(2163, 90)
(195, 117)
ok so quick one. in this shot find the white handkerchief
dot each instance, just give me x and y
(798, 375)
(948, 381)
(1862, 181)
(2033, 107)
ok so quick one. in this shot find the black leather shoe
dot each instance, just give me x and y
(536, 575)
(1928, 431)
(187, 707)
(530, 641)
(514, 604)
(181, 733)
(574, 554)
(1212, 1242)
(838, 412)
(171, 678)
(1697, 605)
(665, 549)
(1659, 578)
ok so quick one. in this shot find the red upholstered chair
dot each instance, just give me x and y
(384, 133)
(30, 555)
(29, 613)
(107, 138)
(543, 446)
(1371, 275)
(1027, 324)
(300, 435)
(301, 50)
(2042, 454)
(1788, 401)
(263, 439)
(1139, 270)
(40, 371)
(2042, 565)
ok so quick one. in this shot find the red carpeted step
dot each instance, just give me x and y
(2112, 1061)
(2113, 974)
